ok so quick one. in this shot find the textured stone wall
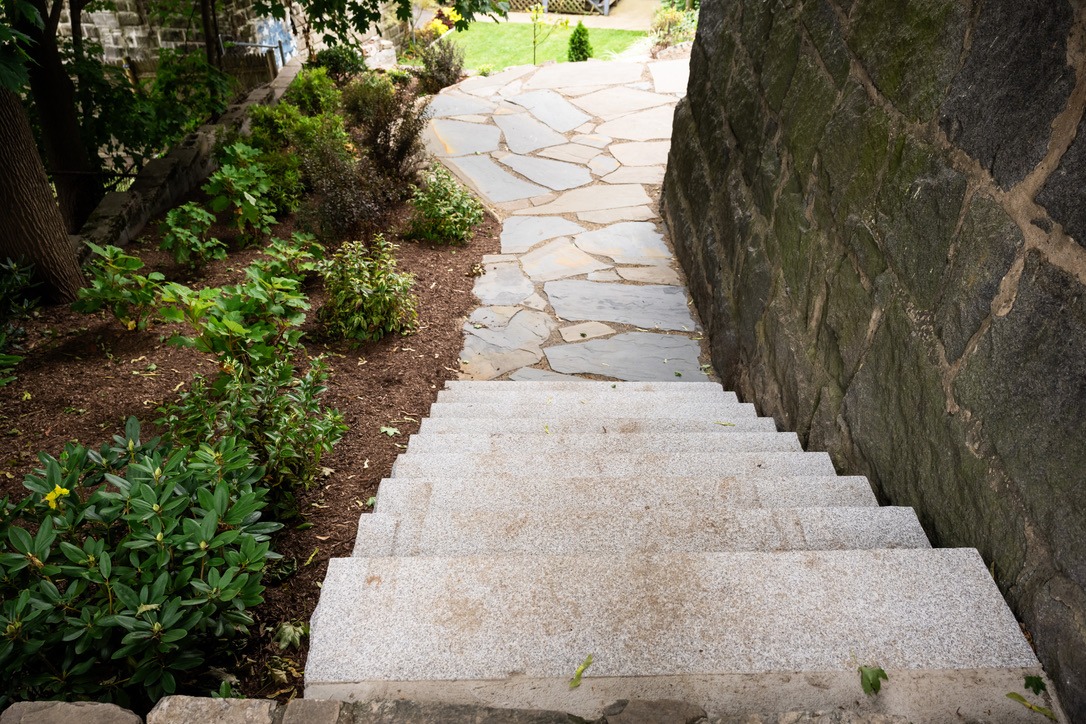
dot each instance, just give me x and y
(881, 209)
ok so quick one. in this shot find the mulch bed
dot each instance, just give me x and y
(83, 376)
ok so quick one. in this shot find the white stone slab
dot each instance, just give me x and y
(636, 175)
(589, 73)
(649, 274)
(641, 153)
(486, 85)
(585, 331)
(457, 104)
(491, 181)
(670, 76)
(503, 284)
(643, 126)
(604, 276)
(591, 139)
(557, 175)
(636, 242)
(630, 356)
(610, 216)
(519, 234)
(593, 198)
(648, 306)
(602, 165)
(572, 152)
(524, 134)
(558, 259)
(456, 138)
(552, 109)
(531, 374)
(615, 102)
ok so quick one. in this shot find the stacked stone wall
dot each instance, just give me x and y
(881, 209)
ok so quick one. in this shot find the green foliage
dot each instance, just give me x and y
(399, 77)
(579, 46)
(288, 634)
(444, 211)
(367, 297)
(1037, 685)
(125, 567)
(185, 235)
(296, 258)
(283, 128)
(541, 29)
(485, 69)
(313, 92)
(7, 361)
(576, 680)
(871, 678)
(442, 65)
(350, 195)
(671, 26)
(241, 183)
(116, 286)
(390, 122)
(285, 175)
(186, 93)
(275, 411)
(16, 302)
(341, 62)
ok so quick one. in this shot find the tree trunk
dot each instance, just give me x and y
(211, 33)
(76, 172)
(33, 229)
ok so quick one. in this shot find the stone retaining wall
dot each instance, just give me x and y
(881, 209)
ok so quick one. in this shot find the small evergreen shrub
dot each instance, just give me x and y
(115, 285)
(444, 211)
(442, 65)
(185, 235)
(390, 122)
(341, 61)
(579, 46)
(125, 567)
(367, 297)
(313, 92)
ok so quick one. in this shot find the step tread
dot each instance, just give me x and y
(517, 442)
(593, 424)
(438, 531)
(603, 410)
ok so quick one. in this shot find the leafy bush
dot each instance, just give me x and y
(296, 258)
(671, 26)
(442, 65)
(397, 76)
(444, 211)
(390, 122)
(242, 183)
(125, 567)
(341, 61)
(274, 410)
(16, 302)
(367, 297)
(579, 46)
(313, 92)
(283, 128)
(485, 69)
(7, 361)
(350, 195)
(116, 286)
(285, 174)
(185, 236)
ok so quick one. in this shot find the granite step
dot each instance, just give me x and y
(593, 395)
(573, 465)
(676, 387)
(589, 423)
(686, 495)
(677, 409)
(436, 531)
(548, 444)
(703, 627)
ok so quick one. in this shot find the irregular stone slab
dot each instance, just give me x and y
(585, 330)
(495, 258)
(557, 260)
(591, 139)
(552, 109)
(472, 118)
(519, 234)
(650, 307)
(593, 198)
(524, 134)
(63, 712)
(643, 126)
(610, 216)
(557, 175)
(601, 165)
(172, 709)
(572, 152)
(456, 138)
(454, 104)
(614, 102)
(487, 85)
(535, 302)
(637, 175)
(510, 327)
(480, 360)
(512, 89)
(591, 73)
(670, 76)
(587, 128)
(636, 242)
(649, 274)
(531, 374)
(641, 153)
(581, 91)
(493, 182)
(604, 276)
(630, 356)
(503, 284)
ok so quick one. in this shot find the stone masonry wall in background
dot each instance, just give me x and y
(881, 209)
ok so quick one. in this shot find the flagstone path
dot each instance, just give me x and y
(571, 158)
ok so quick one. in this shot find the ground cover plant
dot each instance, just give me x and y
(500, 45)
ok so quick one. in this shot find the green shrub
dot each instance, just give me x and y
(296, 258)
(366, 297)
(485, 69)
(390, 122)
(116, 286)
(671, 26)
(242, 184)
(399, 77)
(350, 195)
(579, 46)
(126, 567)
(313, 92)
(185, 236)
(444, 211)
(278, 413)
(7, 361)
(285, 176)
(16, 302)
(341, 61)
(442, 65)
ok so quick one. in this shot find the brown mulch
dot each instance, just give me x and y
(83, 376)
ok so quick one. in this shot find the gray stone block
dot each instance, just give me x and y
(636, 408)
(604, 445)
(660, 711)
(314, 711)
(435, 531)
(399, 711)
(63, 712)
(587, 423)
(574, 465)
(193, 709)
(598, 395)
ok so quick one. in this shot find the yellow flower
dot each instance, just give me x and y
(51, 498)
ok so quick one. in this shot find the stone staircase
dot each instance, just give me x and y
(667, 530)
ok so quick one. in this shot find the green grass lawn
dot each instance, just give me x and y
(501, 45)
